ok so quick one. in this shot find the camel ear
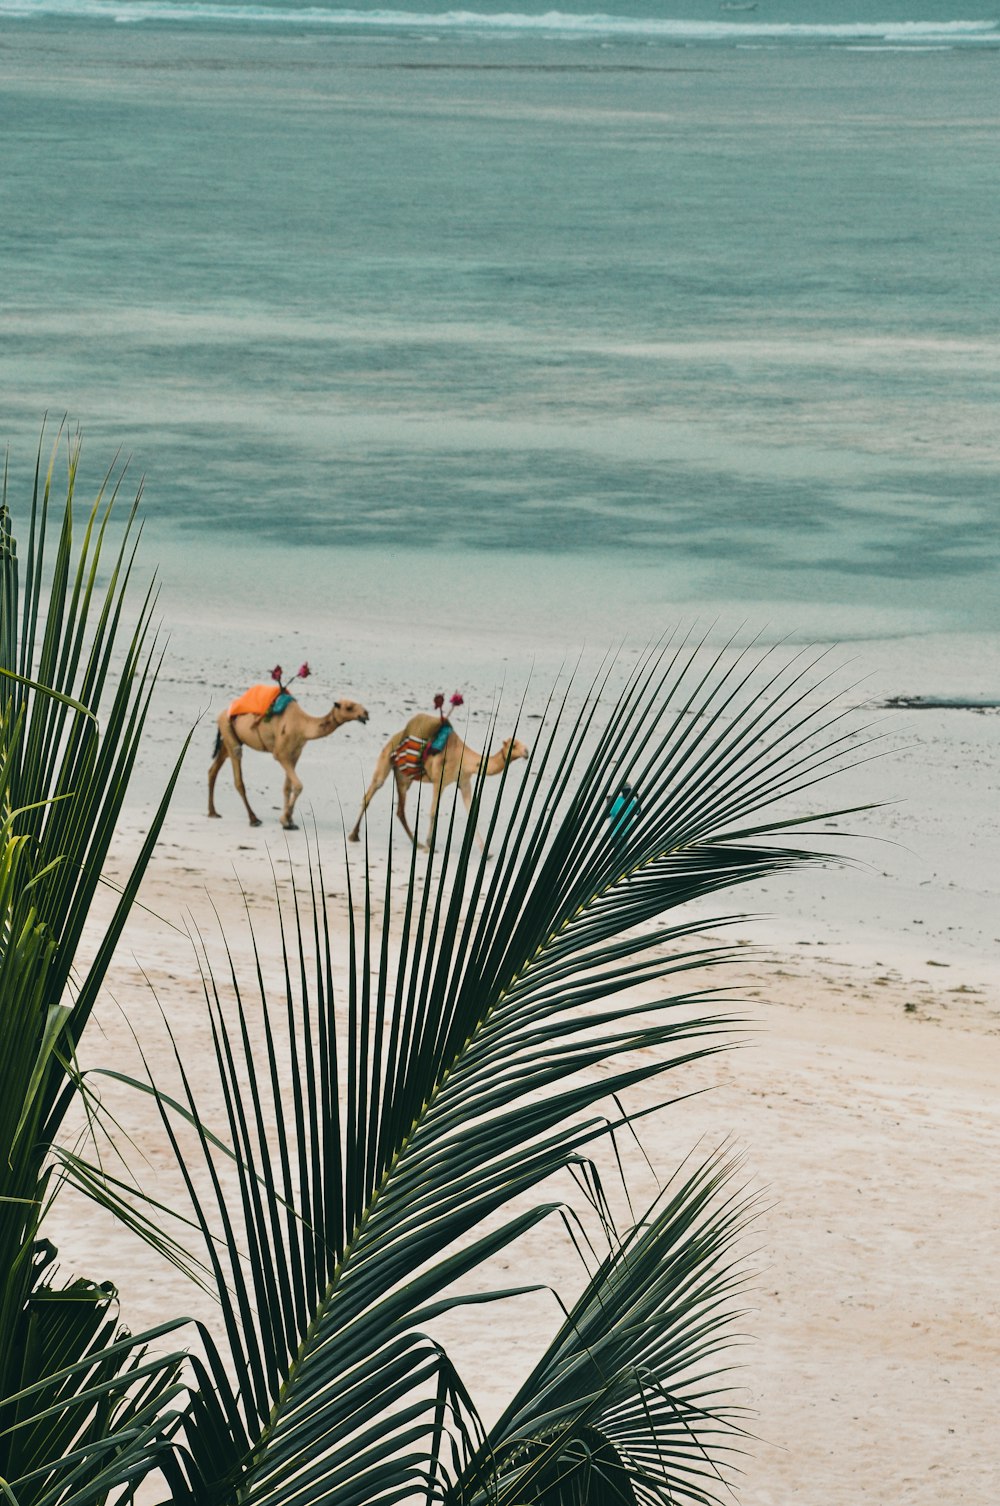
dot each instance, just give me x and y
(337, 706)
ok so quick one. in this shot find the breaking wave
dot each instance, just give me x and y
(552, 23)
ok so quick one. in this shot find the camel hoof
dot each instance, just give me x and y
(352, 836)
(214, 816)
(290, 825)
(256, 821)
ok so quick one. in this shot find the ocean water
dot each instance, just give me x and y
(451, 344)
(681, 306)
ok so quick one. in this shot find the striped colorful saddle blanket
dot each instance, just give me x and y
(408, 758)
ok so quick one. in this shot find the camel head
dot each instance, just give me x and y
(345, 711)
(512, 749)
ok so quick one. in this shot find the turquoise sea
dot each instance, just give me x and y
(682, 305)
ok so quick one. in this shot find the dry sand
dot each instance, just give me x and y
(864, 1103)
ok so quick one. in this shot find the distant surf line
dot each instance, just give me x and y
(560, 23)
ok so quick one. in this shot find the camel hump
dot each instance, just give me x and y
(257, 701)
(424, 725)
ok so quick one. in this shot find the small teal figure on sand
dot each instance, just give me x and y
(623, 811)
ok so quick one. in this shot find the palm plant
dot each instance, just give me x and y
(82, 1410)
(395, 1118)
(398, 1135)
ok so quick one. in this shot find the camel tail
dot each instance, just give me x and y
(218, 745)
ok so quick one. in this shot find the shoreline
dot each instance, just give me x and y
(914, 883)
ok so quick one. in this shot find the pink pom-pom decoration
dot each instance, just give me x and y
(438, 702)
(276, 673)
(302, 673)
(457, 700)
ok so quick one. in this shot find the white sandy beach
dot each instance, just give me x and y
(863, 1102)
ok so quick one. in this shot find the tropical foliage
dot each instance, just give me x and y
(396, 1118)
(81, 1407)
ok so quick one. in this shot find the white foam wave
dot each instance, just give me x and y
(553, 22)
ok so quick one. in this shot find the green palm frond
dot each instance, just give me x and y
(74, 693)
(629, 1402)
(89, 1409)
(400, 1136)
(82, 1412)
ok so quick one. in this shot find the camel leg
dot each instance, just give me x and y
(432, 815)
(440, 783)
(439, 776)
(236, 759)
(402, 789)
(213, 774)
(382, 766)
(232, 749)
(293, 789)
(465, 786)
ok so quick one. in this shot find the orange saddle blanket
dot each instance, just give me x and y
(257, 701)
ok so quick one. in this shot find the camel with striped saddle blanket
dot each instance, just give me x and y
(249, 722)
(430, 750)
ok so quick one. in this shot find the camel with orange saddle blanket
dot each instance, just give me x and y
(429, 749)
(268, 719)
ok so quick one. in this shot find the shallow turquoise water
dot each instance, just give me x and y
(702, 309)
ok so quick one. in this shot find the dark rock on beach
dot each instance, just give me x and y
(942, 703)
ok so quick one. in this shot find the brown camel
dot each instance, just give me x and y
(456, 763)
(284, 737)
